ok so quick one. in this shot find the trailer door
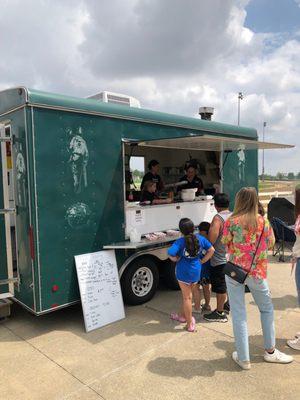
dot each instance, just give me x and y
(7, 216)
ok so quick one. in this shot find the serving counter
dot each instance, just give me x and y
(162, 217)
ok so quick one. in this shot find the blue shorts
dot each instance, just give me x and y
(187, 276)
(205, 273)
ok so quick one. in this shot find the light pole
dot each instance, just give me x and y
(240, 97)
(263, 153)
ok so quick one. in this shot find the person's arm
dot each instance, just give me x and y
(226, 235)
(173, 251)
(206, 245)
(214, 230)
(162, 201)
(297, 226)
(208, 255)
(174, 258)
(269, 234)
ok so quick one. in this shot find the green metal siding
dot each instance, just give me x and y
(62, 232)
(67, 221)
(11, 99)
(44, 99)
(233, 176)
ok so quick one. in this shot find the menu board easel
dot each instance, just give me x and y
(100, 289)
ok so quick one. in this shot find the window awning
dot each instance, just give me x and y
(209, 143)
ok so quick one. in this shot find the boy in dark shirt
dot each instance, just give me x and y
(149, 194)
(204, 278)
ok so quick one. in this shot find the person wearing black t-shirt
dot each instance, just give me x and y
(149, 194)
(153, 176)
(193, 181)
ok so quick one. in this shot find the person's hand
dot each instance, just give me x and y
(174, 258)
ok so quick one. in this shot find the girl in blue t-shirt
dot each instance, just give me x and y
(186, 251)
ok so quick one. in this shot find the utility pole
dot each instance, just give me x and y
(240, 97)
(263, 153)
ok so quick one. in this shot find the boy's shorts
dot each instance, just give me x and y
(217, 278)
(205, 274)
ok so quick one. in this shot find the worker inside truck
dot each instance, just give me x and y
(193, 181)
(153, 175)
(174, 170)
(149, 195)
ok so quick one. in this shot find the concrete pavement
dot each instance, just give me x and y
(146, 356)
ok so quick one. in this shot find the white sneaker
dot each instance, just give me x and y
(242, 364)
(294, 343)
(278, 357)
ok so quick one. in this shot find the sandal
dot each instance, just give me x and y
(176, 317)
(192, 326)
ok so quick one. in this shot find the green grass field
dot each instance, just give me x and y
(280, 186)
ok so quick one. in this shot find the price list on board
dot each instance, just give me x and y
(100, 289)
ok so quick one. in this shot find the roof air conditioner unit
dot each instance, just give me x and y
(116, 98)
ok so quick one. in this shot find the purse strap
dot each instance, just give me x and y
(254, 255)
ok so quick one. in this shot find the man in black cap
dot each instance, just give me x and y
(153, 176)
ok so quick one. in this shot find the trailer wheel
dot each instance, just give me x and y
(139, 281)
(169, 276)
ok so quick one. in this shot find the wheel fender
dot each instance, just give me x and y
(156, 254)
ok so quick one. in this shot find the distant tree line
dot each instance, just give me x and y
(137, 175)
(281, 176)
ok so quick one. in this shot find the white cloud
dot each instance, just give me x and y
(173, 55)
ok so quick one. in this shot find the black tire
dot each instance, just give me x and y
(168, 275)
(140, 280)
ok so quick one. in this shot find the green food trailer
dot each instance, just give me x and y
(65, 168)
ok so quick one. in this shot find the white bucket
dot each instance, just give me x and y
(188, 194)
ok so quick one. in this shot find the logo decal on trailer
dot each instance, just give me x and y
(21, 177)
(79, 157)
(78, 215)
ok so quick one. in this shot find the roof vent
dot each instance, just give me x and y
(206, 112)
(116, 98)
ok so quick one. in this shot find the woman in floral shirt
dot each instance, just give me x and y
(241, 236)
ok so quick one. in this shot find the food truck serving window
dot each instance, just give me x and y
(210, 143)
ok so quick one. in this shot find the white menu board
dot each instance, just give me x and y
(100, 289)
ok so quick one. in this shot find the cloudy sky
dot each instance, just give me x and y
(173, 55)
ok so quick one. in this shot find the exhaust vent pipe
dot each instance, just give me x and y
(206, 113)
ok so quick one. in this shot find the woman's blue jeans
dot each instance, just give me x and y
(261, 294)
(297, 278)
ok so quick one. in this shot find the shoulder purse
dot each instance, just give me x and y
(238, 273)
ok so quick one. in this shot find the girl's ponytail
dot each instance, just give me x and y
(192, 245)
